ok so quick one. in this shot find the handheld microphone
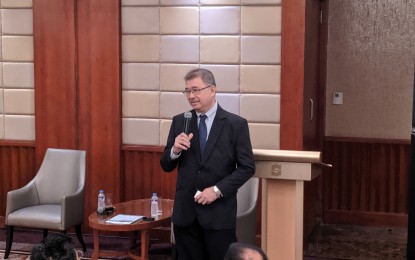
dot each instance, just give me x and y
(187, 118)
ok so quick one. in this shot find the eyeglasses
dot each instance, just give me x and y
(195, 91)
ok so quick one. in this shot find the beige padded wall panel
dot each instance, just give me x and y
(239, 41)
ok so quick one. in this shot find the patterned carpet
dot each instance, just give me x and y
(25, 240)
(21, 251)
(15, 256)
(355, 242)
(327, 242)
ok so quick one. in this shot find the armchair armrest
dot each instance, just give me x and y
(246, 225)
(73, 208)
(21, 198)
(244, 219)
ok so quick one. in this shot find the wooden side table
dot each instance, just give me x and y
(134, 207)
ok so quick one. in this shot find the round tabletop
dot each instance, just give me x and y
(134, 207)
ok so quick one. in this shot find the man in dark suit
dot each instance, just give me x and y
(214, 160)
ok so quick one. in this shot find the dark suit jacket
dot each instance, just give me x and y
(227, 162)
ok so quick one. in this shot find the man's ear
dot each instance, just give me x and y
(213, 89)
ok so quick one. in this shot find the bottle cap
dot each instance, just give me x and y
(101, 191)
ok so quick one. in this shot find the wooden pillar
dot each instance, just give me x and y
(99, 83)
(56, 101)
(78, 86)
(292, 74)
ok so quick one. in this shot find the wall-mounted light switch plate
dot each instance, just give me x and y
(337, 98)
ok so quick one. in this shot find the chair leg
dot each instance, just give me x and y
(78, 231)
(45, 233)
(174, 252)
(134, 242)
(9, 241)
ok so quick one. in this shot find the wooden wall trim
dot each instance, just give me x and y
(292, 74)
(367, 140)
(143, 148)
(17, 143)
(366, 218)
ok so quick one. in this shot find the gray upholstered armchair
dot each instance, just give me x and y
(54, 199)
(247, 211)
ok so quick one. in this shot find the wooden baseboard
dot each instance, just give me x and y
(375, 219)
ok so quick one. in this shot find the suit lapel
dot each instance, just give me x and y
(214, 133)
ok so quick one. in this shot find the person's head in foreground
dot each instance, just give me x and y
(54, 247)
(242, 251)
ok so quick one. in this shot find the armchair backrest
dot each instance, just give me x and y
(62, 173)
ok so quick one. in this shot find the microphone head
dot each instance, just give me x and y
(188, 115)
(187, 118)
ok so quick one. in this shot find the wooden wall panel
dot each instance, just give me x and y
(55, 75)
(99, 95)
(368, 182)
(17, 168)
(78, 86)
(143, 175)
(292, 74)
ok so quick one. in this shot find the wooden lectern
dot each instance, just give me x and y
(283, 174)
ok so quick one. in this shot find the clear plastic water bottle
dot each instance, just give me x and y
(101, 202)
(154, 205)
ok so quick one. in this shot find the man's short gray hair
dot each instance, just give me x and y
(206, 76)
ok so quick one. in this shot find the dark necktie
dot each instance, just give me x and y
(202, 132)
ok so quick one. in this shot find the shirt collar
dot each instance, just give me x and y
(211, 112)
